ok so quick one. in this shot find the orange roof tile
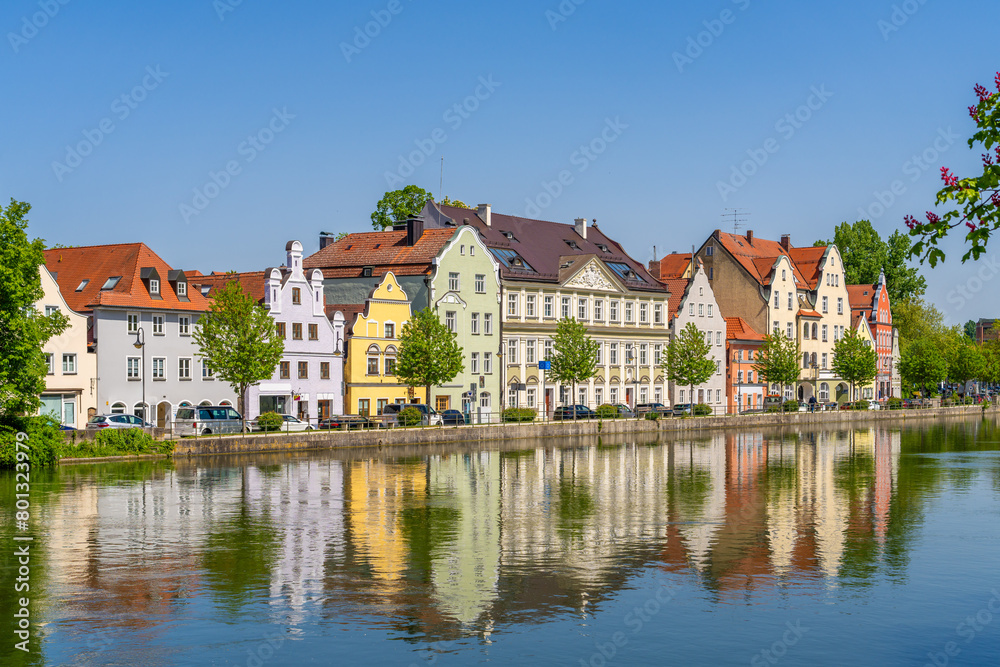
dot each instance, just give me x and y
(677, 287)
(383, 251)
(861, 297)
(671, 267)
(96, 264)
(804, 312)
(807, 260)
(739, 329)
(757, 256)
(252, 282)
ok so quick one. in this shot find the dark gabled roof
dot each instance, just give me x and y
(536, 249)
(252, 283)
(382, 251)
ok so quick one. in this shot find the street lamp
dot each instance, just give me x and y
(140, 344)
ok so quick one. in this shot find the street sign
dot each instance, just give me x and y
(544, 365)
(520, 387)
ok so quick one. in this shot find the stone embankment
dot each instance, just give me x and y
(506, 432)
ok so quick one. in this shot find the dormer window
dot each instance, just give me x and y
(509, 235)
(572, 244)
(182, 289)
(603, 247)
(154, 286)
(366, 272)
(111, 282)
(205, 289)
(83, 284)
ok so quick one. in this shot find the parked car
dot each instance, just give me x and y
(681, 409)
(571, 412)
(116, 421)
(290, 425)
(643, 408)
(207, 420)
(346, 422)
(773, 401)
(453, 418)
(623, 410)
(390, 415)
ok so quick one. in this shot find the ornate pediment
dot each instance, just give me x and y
(452, 298)
(592, 277)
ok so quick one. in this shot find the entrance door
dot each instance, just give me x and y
(628, 397)
(324, 409)
(548, 403)
(162, 414)
(69, 413)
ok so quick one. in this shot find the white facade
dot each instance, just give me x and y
(700, 307)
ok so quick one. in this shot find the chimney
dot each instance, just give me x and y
(750, 236)
(485, 213)
(414, 230)
(325, 239)
(581, 227)
(786, 241)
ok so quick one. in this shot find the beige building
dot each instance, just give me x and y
(71, 383)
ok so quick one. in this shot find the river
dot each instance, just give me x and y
(869, 546)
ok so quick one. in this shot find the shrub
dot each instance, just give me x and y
(860, 405)
(702, 409)
(653, 415)
(607, 411)
(410, 417)
(270, 421)
(894, 403)
(117, 442)
(43, 442)
(773, 409)
(790, 406)
(520, 414)
(969, 400)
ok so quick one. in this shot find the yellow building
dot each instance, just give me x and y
(372, 348)
(864, 331)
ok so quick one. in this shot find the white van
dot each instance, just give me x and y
(207, 420)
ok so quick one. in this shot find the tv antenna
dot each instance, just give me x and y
(737, 216)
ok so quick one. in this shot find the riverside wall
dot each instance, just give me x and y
(477, 435)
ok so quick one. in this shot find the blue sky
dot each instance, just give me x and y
(667, 97)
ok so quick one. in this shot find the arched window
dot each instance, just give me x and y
(227, 403)
(813, 359)
(204, 403)
(140, 410)
(118, 408)
(815, 329)
(805, 360)
(805, 330)
(373, 356)
(390, 360)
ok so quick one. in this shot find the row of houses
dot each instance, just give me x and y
(501, 283)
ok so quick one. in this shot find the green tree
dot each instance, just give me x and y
(457, 203)
(428, 353)
(966, 362)
(398, 205)
(923, 364)
(574, 355)
(970, 330)
(866, 255)
(854, 360)
(688, 361)
(918, 320)
(238, 340)
(23, 330)
(778, 359)
(978, 197)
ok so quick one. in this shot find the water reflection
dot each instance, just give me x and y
(443, 545)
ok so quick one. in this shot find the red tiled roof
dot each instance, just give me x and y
(383, 251)
(97, 264)
(861, 297)
(677, 288)
(758, 256)
(803, 312)
(739, 329)
(542, 244)
(807, 261)
(252, 282)
(671, 267)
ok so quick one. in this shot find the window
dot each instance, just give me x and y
(701, 310)
(548, 349)
(840, 306)
(598, 309)
(783, 274)
(390, 330)
(512, 305)
(487, 362)
(206, 371)
(157, 325)
(739, 377)
(296, 331)
(825, 308)
(480, 283)
(657, 354)
(285, 370)
(777, 299)
(529, 305)
(110, 282)
(718, 338)
(474, 324)
(775, 326)
(824, 333)
(296, 296)
(372, 363)
(600, 354)
(366, 272)
(154, 286)
(133, 322)
(324, 370)
(512, 396)
(582, 309)
(691, 309)
(279, 328)
(824, 390)
(530, 399)
(643, 313)
(564, 307)
(614, 310)
(789, 331)
(184, 325)
(790, 301)
(709, 250)
(474, 362)
(613, 354)
(718, 396)
(582, 395)
(805, 331)
(488, 324)
(628, 311)
(710, 310)
(547, 307)
(69, 364)
(512, 351)
(681, 400)
(643, 354)
(364, 406)
(159, 368)
(182, 289)
(529, 351)
(658, 314)
(313, 332)
(50, 310)
(183, 369)
(613, 395)
(824, 361)
(461, 250)
(451, 321)
(83, 284)
(390, 366)
(133, 366)
(453, 282)
(50, 363)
